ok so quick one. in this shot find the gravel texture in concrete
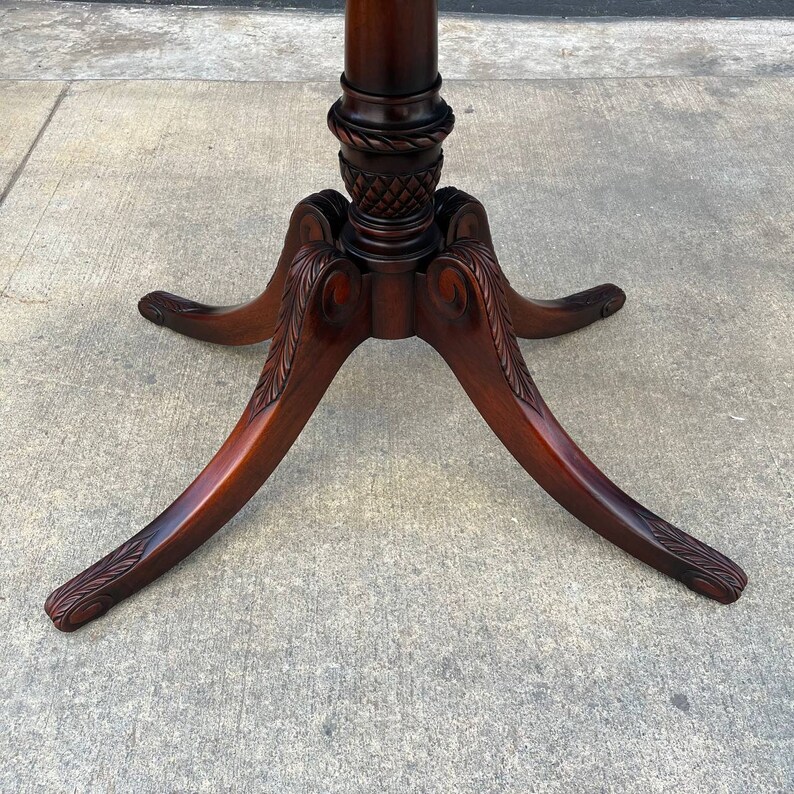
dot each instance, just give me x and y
(400, 609)
(89, 40)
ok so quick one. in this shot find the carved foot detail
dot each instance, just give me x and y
(87, 597)
(319, 217)
(709, 572)
(462, 312)
(156, 306)
(325, 315)
(541, 319)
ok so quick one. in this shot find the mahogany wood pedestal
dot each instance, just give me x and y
(403, 259)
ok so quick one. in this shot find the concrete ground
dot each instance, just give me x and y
(400, 609)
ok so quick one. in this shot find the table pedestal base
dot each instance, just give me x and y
(318, 308)
(404, 259)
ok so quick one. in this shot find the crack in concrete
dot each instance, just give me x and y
(24, 161)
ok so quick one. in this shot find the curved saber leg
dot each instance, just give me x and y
(324, 317)
(462, 216)
(538, 319)
(319, 217)
(462, 312)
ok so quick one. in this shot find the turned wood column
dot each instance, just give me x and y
(391, 123)
(391, 46)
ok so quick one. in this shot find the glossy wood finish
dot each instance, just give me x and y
(463, 312)
(391, 46)
(401, 259)
(325, 315)
(391, 122)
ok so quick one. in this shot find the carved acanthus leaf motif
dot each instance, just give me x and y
(85, 597)
(397, 141)
(712, 573)
(609, 295)
(479, 259)
(312, 264)
(154, 304)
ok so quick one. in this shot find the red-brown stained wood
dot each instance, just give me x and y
(462, 311)
(324, 317)
(403, 259)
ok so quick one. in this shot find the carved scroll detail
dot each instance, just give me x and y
(460, 216)
(390, 195)
(449, 292)
(609, 295)
(448, 202)
(397, 141)
(314, 263)
(712, 573)
(332, 205)
(154, 304)
(86, 596)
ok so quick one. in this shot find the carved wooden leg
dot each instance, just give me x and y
(319, 217)
(462, 311)
(462, 216)
(538, 319)
(324, 317)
